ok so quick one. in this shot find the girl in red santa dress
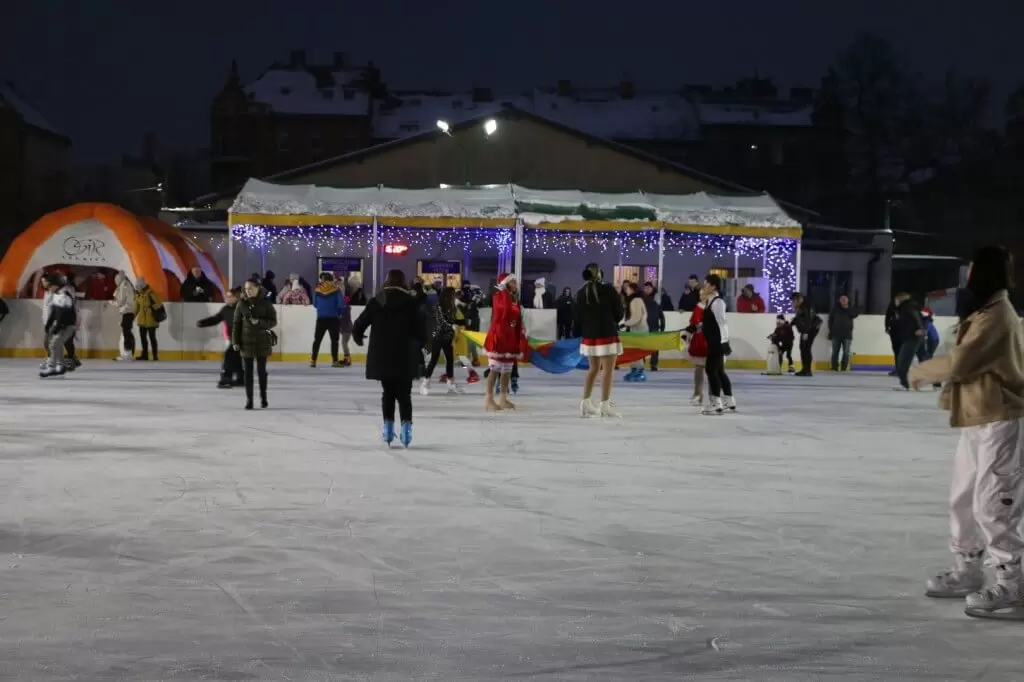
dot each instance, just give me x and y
(697, 349)
(506, 339)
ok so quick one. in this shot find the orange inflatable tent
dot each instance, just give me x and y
(103, 236)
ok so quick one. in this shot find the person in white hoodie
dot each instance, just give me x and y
(635, 321)
(124, 301)
(59, 320)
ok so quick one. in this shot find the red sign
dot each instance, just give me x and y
(396, 249)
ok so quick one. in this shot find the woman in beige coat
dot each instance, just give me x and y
(984, 393)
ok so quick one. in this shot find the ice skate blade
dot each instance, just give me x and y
(1015, 612)
(935, 594)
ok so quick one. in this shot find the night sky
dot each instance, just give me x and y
(105, 71)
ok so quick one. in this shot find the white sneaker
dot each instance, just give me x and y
(589, 409)
(729, 403)
(696, 401)
(713, 407)
(424, 386)
(125, 357)
(606, 410)
(1008, 592)
(453, 387)
(966, 576)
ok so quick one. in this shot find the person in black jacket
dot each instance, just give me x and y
(691, 294)
(231, 368)
(598, 312)
(563, 314)
(197, 287)
(840, 333)
(892, 332)
(807, 324)
(655, 317)
(4, 310)
(666, 302)
(909, 327)
(395, 351)
(471, 297)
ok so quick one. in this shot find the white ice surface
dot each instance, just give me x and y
(151, 529)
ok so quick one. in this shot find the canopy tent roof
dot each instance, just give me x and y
(104, 236)
(261, 203)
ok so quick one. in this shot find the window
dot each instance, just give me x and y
(638, 274)
(825, 286)
(284, 140)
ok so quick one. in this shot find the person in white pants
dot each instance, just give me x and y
(984, 393)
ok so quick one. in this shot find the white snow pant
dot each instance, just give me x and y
(988, 492)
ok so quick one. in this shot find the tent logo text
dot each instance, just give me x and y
(89, 248)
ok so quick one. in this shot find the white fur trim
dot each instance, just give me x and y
(510, 277)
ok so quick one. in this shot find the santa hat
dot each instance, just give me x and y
(506, 277)
(927, 312)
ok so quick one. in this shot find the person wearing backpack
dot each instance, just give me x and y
(149, 313)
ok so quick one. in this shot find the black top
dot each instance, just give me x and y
(565, 306)
(806, 320)
(225, 315)
(689, 300)
(598, 311)
(398, 334)
(712, 328)
(908, 321)
(840, 323)
(655, 315)
(196, 289)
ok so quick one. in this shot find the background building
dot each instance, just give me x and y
(35, 157)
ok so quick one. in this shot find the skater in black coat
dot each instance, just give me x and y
(231, 368)
(394, 356)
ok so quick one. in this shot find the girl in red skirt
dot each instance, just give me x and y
(598, 311)
(506, 340)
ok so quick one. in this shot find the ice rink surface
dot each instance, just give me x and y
(150, 529)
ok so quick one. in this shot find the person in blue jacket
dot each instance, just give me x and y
(926, 351)
(329, 302)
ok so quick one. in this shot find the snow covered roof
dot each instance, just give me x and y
(644, 117)
(718, 113)
(261, 200)
(9, 96)
(299, 91)
(475, 203)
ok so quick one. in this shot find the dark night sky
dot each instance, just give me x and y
(105, 71)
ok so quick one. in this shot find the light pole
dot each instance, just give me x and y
(490, 127)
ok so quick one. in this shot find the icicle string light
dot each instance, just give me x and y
(776, 254)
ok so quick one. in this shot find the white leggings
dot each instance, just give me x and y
(987, 490)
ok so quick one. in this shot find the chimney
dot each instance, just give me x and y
(298, 59)
(339, 60)
(627, 90)
(482, 95)
(564, 88)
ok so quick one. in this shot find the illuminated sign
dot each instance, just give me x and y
(396, 249)
(440, 267)
(341, 264)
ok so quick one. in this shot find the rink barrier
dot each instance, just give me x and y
(21, 335)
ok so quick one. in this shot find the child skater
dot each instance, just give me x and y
(394, 355)
(716, 331)
(231, 367)
(984, 393)
(697, 349)
(598, 311)
(782, 338)
(506, 339)
(59, 320)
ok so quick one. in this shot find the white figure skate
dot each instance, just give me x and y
(963, 578)
(1002, 601)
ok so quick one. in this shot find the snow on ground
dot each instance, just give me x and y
(151, 529)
